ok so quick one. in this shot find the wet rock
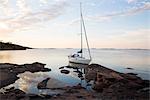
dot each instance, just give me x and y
(71, 91)
(45, 96)
(65, 71)
(132, 78)
(77, 71)
(7, 78)
(61, 67)
(79, 86)
(111, 79)
(75, 93)
(80, 75)
(35, 67)
(43, 84)
(90, 75)
(145, 83)
(114, 85)
(35, 97)
(132, 73)
(13, 94)
(71, 67)
(10, 89)
(15, 91)
(45, 70)
(129, 68)
(89, 84)
(82, 78)
(80, 97)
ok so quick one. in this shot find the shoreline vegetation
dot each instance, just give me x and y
(10, 46)
(108, 84)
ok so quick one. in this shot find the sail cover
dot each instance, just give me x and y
(80, 51)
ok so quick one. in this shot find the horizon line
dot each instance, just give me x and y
(96, 48)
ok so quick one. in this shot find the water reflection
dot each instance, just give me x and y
(80, 70)
(6, 56)
(28, 83)
(79, 66)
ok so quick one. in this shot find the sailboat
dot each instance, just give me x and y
(78, 57)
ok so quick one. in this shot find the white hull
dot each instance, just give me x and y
(79, 60)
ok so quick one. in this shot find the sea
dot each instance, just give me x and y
(122, 60)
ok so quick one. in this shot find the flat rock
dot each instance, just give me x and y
(129, 68)
(43, 84)
(61, 67)
(65, 71)
(132, 73)
(7, 78)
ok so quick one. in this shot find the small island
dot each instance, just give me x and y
(10, 46)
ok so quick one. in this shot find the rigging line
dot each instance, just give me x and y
(86, 37)
(81, 29)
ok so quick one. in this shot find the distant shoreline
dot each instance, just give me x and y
(95, 48)
(10, 46)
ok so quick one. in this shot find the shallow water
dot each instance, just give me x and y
(118, 60)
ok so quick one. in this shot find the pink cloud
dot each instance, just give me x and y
(129, 12)
(29, 18)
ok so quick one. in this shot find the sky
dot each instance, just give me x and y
(56, 23)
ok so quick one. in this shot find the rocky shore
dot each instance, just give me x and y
(9, 72)
(117, 86)
(107, 85)
(67, 93)
(10, 46)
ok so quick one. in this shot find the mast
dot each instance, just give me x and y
(81, 28)
(82, 22)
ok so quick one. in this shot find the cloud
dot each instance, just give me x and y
(44, 1)
(107, 17)
(27, 17)
(23, 7)
(5, 7)
(131, 1)
(129, 12)
(4, 29)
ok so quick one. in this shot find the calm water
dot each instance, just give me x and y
(118, 60)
